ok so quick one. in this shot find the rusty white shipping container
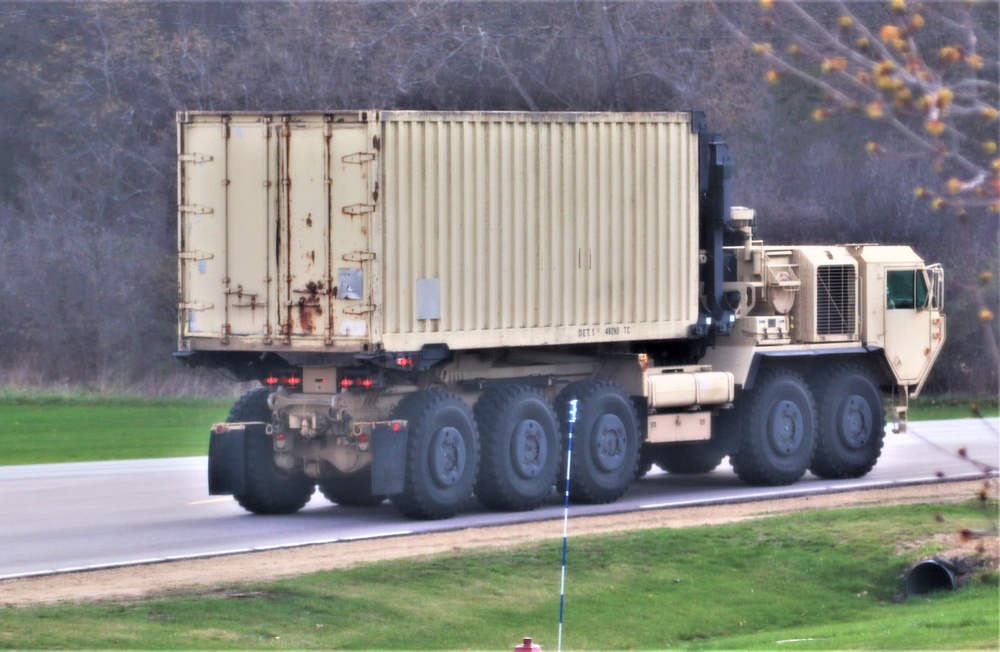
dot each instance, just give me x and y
(358, 231)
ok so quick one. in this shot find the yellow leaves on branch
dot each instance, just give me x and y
(945, 97)
(955, 54)
(890, 33)
(903, 98)
(900, 83)
(950, 54)
(934, 127)
(835, 64)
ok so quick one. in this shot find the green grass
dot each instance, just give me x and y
(927, 408)
(35, 430)
(823, 579)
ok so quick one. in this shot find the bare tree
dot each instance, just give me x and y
(928, 72)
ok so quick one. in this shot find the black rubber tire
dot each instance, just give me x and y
(851, 422)
(689, 458)
(442, 455)
(605, 441)
(351, 490)
(268, 490)
(777, 429)
(520, 440)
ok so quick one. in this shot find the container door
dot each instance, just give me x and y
(225, 211)
(202, 229)
(324, 209)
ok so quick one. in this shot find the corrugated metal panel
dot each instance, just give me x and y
(541, 228)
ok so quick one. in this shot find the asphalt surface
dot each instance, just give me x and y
(57, 518)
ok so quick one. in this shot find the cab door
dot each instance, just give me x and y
(914, 323)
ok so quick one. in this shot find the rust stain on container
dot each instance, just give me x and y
(310, 307)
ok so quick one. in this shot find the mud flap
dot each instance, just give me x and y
(226, 461)
(388, 460)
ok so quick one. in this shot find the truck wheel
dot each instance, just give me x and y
(851, 422)
(606, 440)
(268, 489)
(442, 455)
(520, 448)
(777, 430)
(690, 458)
(351, 490)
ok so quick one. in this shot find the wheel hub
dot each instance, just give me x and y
(529, 449)
(610, 442)
(447, 457)
(786, 427)
(856, 421)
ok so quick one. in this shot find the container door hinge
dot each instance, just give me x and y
(196, 209)
(358, 209)
(359, 157)
(195, 255)
(194, 157)
(197, 306)
(359, 256)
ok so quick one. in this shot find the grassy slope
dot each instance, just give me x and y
(829, 577)
(78, 429)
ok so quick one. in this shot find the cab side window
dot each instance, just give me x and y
(905, 290)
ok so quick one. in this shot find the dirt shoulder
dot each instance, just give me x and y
(136, 582)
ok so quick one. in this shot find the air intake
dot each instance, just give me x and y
(836, 288)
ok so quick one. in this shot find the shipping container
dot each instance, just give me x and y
(366, 230)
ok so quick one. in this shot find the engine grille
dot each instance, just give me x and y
(836, 300)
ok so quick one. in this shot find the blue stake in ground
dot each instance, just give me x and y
(569, 458)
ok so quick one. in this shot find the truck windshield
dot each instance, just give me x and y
(905, 290)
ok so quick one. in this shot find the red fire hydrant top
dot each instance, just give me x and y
(528, 646)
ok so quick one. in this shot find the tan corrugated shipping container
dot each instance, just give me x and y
(358, 230)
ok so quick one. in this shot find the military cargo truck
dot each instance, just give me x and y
(421, 294)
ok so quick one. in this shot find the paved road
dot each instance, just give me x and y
(63, 517)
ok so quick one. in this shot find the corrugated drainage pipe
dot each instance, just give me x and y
(929, 575)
